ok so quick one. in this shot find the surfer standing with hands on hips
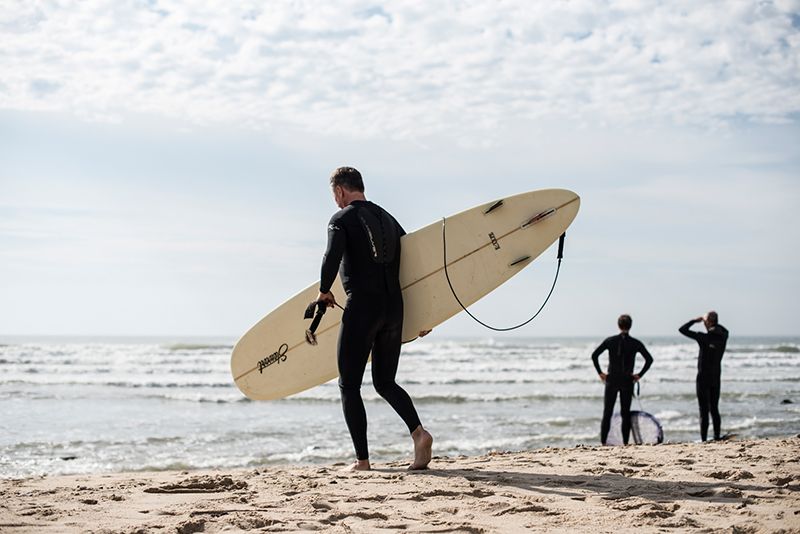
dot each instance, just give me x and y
(364, 247)
(622, 350)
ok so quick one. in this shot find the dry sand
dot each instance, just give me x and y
(732, 486)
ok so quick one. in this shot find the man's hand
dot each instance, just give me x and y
(424, 333)
(636, 378)
(697, 320)
(327, 298)
(603, 377)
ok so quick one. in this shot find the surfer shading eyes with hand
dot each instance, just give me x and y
(622, 350)
(709, 368)
(364, 248)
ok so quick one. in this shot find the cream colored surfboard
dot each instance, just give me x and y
(486, 245)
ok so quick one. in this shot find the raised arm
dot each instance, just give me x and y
(685, 329)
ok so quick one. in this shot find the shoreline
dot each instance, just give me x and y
(730, 486)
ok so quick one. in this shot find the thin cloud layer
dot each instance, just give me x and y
(405, 70)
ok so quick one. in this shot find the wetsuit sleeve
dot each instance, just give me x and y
(337, 238)
(596, 356)
(648, 359)
(689, 333)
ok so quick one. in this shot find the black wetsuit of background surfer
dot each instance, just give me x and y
(622, 350)
(709, 371)
(366, 240)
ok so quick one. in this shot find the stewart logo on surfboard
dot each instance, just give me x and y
(276, 357)
(493, 239)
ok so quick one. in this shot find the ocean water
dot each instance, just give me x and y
(88, 406)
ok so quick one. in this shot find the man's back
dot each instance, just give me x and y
(622, 350)
(367, 240)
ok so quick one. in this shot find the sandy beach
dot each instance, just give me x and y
(732, 486)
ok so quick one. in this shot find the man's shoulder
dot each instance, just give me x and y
(387, 212)
(342, 214)
(720, 331)
(377, 206)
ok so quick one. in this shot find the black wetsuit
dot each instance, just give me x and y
(709, 371)
(364, 247)
(622, 350)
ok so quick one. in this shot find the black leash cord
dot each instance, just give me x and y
(638, 395)
(447, 275)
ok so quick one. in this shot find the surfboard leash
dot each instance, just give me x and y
(320, 307)
(490, 327)
(638, 395)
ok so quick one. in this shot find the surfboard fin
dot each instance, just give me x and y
(493, 207)
(536, 218)
(518, 261)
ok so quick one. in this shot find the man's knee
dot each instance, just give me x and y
(384, 388)
(349, 387)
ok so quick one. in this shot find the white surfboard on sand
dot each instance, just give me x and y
(486, 245)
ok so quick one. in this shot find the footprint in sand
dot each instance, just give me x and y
(201, 484)
(478, 493)
(321, 505)
(40, 511)
(782, 480)
(192, 526)
(682, 522)
(724, 492)
(730, 475)
(374, 498)
(305, 525)
(626, 506)
(718, 474)
(335, 518)
(254, 523)
(660, 514)
(526, 508)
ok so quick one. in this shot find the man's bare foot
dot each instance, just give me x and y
(423, 443)
(358, 465)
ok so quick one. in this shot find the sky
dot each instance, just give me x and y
(164, 164)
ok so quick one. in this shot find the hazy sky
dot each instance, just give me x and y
(164, 164)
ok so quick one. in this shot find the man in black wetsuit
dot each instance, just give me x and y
(709, 368)
(364, 247)
(622, 350)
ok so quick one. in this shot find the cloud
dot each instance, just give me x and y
(43, 88)
(408, 70)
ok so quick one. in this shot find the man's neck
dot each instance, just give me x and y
(352, 197)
